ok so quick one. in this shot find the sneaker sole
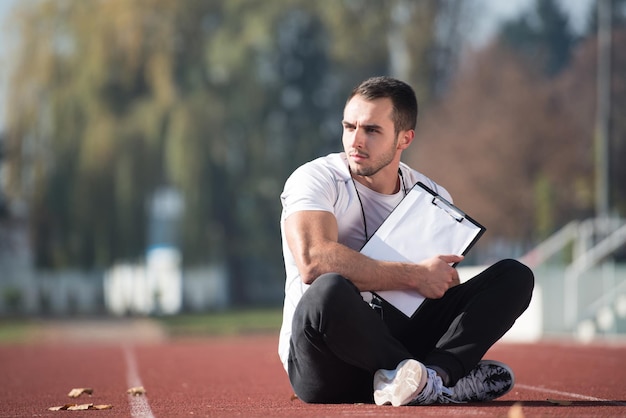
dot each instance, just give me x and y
(400, 386)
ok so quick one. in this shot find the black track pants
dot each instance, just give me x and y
(339, 341)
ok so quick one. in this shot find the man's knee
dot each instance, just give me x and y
(329, 287)
(520, 280)
(521, 274)
(329, 291)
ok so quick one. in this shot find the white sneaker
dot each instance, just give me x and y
(411, 383)
(489, 380)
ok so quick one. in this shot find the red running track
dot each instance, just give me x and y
(242, 376)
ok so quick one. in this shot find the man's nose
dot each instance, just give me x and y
(358, 138)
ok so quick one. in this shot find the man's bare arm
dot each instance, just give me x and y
(312, 237)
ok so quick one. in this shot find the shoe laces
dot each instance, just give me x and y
(434, 391)
(467, 389)
(472, 386)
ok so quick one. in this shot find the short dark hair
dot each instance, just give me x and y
(402, 97)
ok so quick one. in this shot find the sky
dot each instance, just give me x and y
(494, 12)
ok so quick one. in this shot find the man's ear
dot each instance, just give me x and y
(405, 138)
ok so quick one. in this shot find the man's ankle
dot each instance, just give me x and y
(442, 373)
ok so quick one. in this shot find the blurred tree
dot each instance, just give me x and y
(617, 120)
(488, 139)
(515, 144)
(543, 35)
(618, 15)
(505, 151)
(112, 100)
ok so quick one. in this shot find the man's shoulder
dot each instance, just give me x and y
(413, 176)
(316, 185)
(334, 166)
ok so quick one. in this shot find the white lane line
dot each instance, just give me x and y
(139, 407)
(570, 394)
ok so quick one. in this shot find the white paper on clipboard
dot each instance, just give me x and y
(423, 225)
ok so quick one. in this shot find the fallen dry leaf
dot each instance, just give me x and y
(559, 402)
(62, 407)
(516, 411)
(76, 392)
(101, 407)
(136, 391)
(82, 407)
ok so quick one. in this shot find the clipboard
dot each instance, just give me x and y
(422, 225)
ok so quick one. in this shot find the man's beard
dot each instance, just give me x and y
(375, 166)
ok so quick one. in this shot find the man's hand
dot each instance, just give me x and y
(438, 275)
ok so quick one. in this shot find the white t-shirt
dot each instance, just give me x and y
(325, 184)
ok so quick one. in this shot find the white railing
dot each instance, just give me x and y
(551, 246)
(587, 259)
(591, 241)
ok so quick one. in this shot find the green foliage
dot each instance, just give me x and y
(12, 298)
(112, 100)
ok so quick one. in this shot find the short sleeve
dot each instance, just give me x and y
(309, 188)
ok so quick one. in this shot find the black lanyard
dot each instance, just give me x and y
(361, 202)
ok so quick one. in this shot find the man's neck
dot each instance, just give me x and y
(379, 184)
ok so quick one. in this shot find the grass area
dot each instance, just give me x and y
(230, 322)
(223, 323)
(13, 331)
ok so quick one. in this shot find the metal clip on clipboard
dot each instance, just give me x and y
(449, 208)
